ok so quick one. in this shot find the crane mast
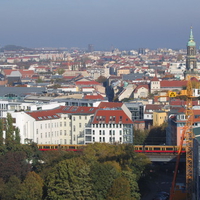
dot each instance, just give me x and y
(188, 135)
(189, 141)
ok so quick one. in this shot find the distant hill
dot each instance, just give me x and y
(14, 48)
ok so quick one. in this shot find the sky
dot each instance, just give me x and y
(123, 24)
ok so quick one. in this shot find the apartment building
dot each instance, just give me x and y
(109, 125)
(62, 125)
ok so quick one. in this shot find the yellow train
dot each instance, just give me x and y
(137, 148)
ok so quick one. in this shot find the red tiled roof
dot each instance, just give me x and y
(23, 72)
(172, 84)
(54, 113)
(110, 105)
(155, 79)
(141, 86)
(153, 107)
(111, 116)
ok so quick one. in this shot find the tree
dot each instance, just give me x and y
(101, 79)
(70, 179)
(11, 188)
(60, 71)
(132, 179)
(31, 188)
(102, 176)
(13, 164)
(120, 190)
(1, 134)
(140, 136)
(9, 130)
(17, 135)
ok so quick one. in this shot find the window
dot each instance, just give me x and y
(37, 131)
(113, 132)
(100, 132)
(41, 126)
(65, 123)
(110, 132)
(110, 139)
(120, 139)
(103, 139)
(65, 132)
(120, 132)
(85, 117)
(79, 117)
(100, 139)
(45, 134)
(79, 125)
(60, 132)
(60, 124)
(93, 139)
(49, 134)
(74, 128)
(41, 135)
(103, 132)
(74, 118)
(65, 141)
(93, 132)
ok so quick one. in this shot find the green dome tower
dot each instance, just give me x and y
(191, 60)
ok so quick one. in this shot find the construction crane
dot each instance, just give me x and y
(188, 135)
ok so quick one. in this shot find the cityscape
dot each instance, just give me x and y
(99, 100)
(73, 100)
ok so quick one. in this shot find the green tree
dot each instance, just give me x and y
(9, 130)
(17, 135)
(60, 71)
(132, 179)
(102, 176)
(120, 190)
(11, 188)
(1, 132)
(70, 179)
(140, 136)
(31, 188)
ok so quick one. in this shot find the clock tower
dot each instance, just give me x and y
(191, 60)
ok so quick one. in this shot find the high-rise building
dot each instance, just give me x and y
(191, 60)
(90, 47)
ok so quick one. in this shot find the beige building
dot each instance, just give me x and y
(159, 117)
(123, 70)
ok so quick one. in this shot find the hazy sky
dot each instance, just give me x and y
(125, 24)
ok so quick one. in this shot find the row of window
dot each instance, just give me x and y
(111, 132)
(51, 125)
(102, 139)
(55, 141)
(50, 134)
(107, 125)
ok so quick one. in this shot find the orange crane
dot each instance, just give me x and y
(189, 136)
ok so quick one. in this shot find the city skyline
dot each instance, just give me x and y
(123, 24)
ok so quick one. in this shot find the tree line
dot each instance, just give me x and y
(101, 171)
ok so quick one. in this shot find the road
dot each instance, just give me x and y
(161, 180)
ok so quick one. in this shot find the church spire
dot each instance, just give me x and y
(191, 41)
